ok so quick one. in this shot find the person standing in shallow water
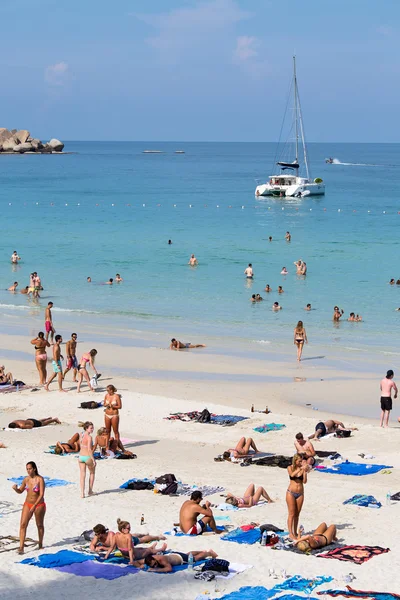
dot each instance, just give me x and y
(387, 385)
(300, 337)
(34, 504)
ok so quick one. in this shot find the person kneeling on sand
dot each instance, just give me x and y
(104, 539)
(32, 423)
(243, 448)
(189, 512)
(250, 497)
(125, 542)
(322, 536)
(163, 563)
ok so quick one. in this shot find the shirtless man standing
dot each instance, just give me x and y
(48, 322)
(57, 366)
(189, 512)
(15, 258)
(72, 361)
(249, 271)
(193, 261)
(305, 447)
(177, 345)
(387, 385)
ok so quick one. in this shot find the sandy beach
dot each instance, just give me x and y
(187, 381)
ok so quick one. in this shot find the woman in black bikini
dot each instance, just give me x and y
(300, 337)
(322, 536)
(295, 493)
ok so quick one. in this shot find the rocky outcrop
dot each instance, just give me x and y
(20, 141)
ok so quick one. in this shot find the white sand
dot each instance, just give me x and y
(188, 449)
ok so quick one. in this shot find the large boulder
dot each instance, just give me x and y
(36, 144)
(46, 149)
(5, 134)
(13, 131)
(55, 145)
(21, 148)
(9, 145)
(22, 135)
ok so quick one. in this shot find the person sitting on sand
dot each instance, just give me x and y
(13, 287)
(5, 377)
(306, 448)
(71, 447)
(330, 426)
(103, 538)
(163, 563)
(250, 498)
(32, 423)
(189, 512)
(243, 448)
(177, 345)
(125, 542)
(322, 536)
(108, 445)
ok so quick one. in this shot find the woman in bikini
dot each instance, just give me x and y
(125, 542)
(322, 536)
(88, 357)
(40, 356)
(250, 498)
(107, 444)
(86, 458)
(34, 487)
(242, 449)
(295, 493)
(71, 447)
(300, 337)
(112, 406)
(5, 377)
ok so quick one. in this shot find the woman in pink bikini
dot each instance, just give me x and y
(87, 358)
(40, 356)
(295, 493)
(250, 498)
(34, 504)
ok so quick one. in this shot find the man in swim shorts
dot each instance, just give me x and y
(15, 258)
(32, 423)
(387, 385)
(177, 345)
(249, 271)
(57, 366)
(48, 322)
(330, 426)
(306, 448)
(189, 512)
(72, 361)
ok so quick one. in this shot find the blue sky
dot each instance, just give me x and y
(212, 70)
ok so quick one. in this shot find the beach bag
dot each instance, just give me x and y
(167, 484)
(204, 416)
(88, 535)
(268, 527)
(90, 404)
(218, 565)
(140, 485)
(343, 433)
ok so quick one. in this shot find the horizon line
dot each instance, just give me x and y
(210, 142)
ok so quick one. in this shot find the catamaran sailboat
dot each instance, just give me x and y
(294, 178)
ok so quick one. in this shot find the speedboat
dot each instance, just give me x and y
(294, 178)
(329, 161)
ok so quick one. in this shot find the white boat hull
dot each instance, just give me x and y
(297, 189)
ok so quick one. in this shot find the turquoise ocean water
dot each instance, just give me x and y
(111, 209)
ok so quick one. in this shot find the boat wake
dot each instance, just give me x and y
(336, 161)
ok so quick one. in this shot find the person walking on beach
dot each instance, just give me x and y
(48, 322)
(189, 512)
(72, 361)
(387, 385)
(295, 494)
(34, 504)
(300, 337)
(249, 271)
(86, 458)
(57, 365)
(88, 357)
(40, 356)
(112, 406)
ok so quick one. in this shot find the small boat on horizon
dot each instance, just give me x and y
(153, 152)
(289, 182)
(179, 152)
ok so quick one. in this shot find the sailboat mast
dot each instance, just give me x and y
(296, 109)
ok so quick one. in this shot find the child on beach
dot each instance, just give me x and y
(125, 542)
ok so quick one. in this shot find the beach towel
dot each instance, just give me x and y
(215, 419)
(48, 481)
(274, 461)
(269, 427)
(243, 537)
(207, 490)
(355, 554)
(301, 584)
(362, 500)
(352, 468)
(352, 593)
(248, 593)
(326, 454)
(59, 559)
(97, 570)
(124, 486)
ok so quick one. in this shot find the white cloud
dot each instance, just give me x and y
(245, 48)
(57, 74)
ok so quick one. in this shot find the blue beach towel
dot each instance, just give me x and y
(97, 570)
(362, 500)
(300, 584)
(48, 481)
(295, 583)
(247, 593)
(231, 418)
(351, 593)
(243, 537)
(59, 559)
(352, 468)
(269, 427)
